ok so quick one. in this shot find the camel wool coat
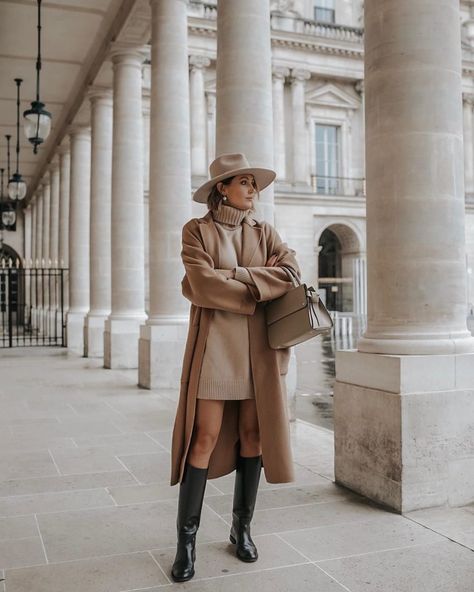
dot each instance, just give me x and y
(208, 289)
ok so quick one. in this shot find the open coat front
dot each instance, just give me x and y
(208, 288)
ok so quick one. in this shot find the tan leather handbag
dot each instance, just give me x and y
(296, 316)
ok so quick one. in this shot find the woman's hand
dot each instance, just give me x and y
(272, 261)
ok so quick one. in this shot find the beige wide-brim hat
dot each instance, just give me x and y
(230, 165)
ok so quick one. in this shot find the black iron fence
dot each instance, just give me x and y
(32, 311)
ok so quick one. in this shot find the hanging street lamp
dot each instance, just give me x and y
(8, 213)
(37, 120)
(16, 185)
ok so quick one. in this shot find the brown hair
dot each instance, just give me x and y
(215, 198)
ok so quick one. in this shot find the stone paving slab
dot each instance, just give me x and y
(387, 531)
(21, 552)
(65, 483)
(113, 440)
(18, 527)
(54, 502)
(438, 567)
(217, 559)
(124, 529)
(454, 523)
(103, 574)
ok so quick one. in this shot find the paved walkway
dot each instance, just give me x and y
(85, 504)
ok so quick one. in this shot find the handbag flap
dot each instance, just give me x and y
(287, 304)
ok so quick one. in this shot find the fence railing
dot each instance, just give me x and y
(32, 311)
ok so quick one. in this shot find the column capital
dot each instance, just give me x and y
(46, 179)
(199, 62)
(100, 93)
(54, 164)
(64, 147)
(280, 72)
(75, 130)
(300, 75)
(468, 99)
(134, 55)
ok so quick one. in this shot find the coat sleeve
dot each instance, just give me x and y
(268, 283)
(204, 285)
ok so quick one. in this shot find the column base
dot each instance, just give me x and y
(161, 350)
(75, 332)
(403, 428)
(121, 342)
(94, 335)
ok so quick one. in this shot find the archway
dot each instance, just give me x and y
(339, 251)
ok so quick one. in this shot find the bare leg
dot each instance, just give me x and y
(248, 429)
(207, 425)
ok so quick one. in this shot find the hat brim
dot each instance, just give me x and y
(263, 178)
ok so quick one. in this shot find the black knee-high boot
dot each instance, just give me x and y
(191, 494)
(245, 493)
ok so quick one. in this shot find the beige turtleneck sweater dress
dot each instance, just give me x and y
(228, 333)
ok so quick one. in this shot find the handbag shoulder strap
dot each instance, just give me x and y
(292, 275)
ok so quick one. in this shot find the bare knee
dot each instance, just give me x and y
(250, 438)
(204, 441)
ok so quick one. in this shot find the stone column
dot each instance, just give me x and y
(64, 187)
(211, 126)
(28, 238)
(34, 208)
(46, 219)
(54, 224)
(39, 259)
(79, 215)
(63, 237)
(279, 75)
(299, 140)
(162, 338)
(128, 262)
(404, 403)
(100, 222)
(244, 86)
(199, 164)
(468, 101)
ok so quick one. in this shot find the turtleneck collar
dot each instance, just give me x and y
(229, 215)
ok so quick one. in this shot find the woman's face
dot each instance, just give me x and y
(240, 192)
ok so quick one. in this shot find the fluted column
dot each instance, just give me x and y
(100, 222)
(162, 338)
(279, 75)
(244, 86)
(128, 261)
(403, 404)
(468, 102)
(199, 164)
(299, 143)
(211, 126)
(79, 215)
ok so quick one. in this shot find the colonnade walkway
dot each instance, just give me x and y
(85, 504)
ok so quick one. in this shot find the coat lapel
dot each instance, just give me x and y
(251, 239)
(210, 238)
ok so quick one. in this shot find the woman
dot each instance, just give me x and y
(232, 411)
